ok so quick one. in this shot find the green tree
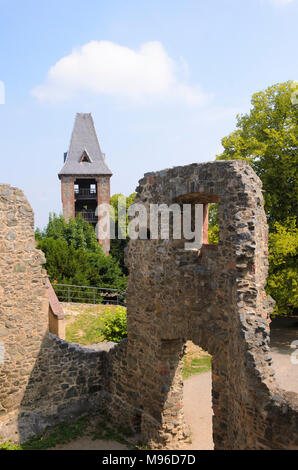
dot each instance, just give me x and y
(267, 137)
(213, 227)
(76, 232)
(74, 256)
(118, 245)
(283, 272)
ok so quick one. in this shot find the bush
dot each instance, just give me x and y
(115, 326)
(283, 272)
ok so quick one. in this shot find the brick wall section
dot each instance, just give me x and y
(103, 197)
(67, 195)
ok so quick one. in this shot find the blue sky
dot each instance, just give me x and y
(163, 80)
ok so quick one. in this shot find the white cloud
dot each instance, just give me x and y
(106, 68)
(281, 3)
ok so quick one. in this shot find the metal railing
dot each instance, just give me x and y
(88, 216)
(89, 295)
(85, 193)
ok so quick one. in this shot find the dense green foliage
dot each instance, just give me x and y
(115, 325)
(213, 227)
(283, 280)
(118, 244)
(74, 255)
(267, 137)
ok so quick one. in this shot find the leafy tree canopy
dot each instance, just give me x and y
(267, 137)
(74, 255)
(283, 279)
(118, 244)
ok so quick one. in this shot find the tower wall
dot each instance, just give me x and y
(67, 195)
(103, 197)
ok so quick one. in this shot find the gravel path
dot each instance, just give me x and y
(198, 410)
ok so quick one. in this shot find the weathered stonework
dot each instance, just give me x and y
(23, 304)
(214, 296)
(43, 379)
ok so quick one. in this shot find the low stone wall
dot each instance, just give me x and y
(67, 381)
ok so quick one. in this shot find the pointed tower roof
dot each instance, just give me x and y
(84, 156)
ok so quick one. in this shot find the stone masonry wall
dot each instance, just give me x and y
(23, 305)
(43, 379)
(215, 297)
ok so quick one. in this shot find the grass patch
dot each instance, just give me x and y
(195, 365)
(65, 432)
(60, 434)
(85, 328)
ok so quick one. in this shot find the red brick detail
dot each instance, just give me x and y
(103, 196)
(67, 196)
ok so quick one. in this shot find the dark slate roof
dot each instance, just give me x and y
(84, 139)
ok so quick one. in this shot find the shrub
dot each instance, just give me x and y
(282, 282)
(115, 326)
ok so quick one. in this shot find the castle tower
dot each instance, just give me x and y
(85, 177)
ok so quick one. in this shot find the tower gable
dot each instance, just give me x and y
(84, 156)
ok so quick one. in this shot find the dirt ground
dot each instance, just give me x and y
(85, 443)
(198, 410)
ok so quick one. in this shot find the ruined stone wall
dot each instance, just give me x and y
(43, 379)
(67, 381)
(215, 297)
(23, 305)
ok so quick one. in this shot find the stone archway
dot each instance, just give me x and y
(214, 297)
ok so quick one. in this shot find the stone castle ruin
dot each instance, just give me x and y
(214, 296)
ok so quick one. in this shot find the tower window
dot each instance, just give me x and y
(85, 158)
